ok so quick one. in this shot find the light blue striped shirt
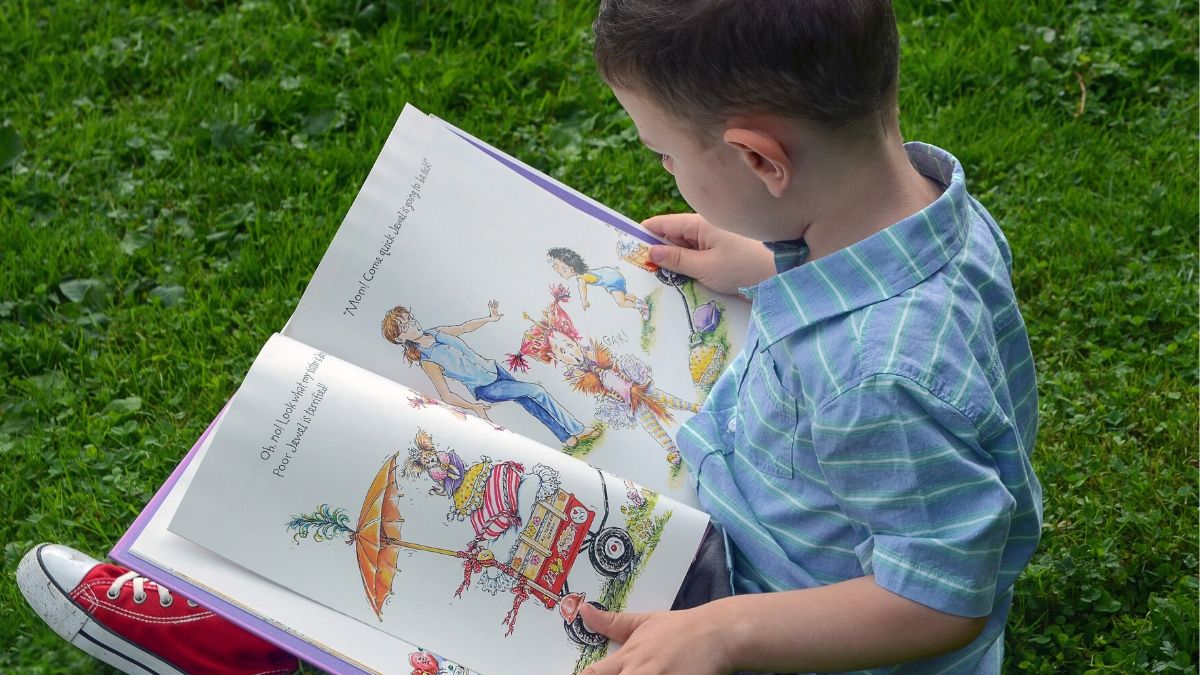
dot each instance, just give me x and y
(880, 420)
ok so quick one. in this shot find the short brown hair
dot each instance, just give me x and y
(705, 61)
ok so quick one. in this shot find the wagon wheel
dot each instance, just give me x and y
(611, 551)
(579, 633)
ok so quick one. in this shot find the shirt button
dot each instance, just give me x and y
(732, 426)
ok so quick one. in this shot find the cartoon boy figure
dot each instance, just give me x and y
(570, 265)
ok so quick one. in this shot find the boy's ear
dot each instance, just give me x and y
(764, 155)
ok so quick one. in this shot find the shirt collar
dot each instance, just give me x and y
(881, 266)
(788, 253)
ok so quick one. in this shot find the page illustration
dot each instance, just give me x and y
(528, 532)
(430, 524)
(623, 386)
(443, 258)
(443, 354)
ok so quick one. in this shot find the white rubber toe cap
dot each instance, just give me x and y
(65, 565)
(46, 576)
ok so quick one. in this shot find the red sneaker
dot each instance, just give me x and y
(135, 625)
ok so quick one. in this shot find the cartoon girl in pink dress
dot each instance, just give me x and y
(622, 385)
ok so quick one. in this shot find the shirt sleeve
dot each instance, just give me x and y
(910, 470)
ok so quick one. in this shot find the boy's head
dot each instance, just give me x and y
(780, 87)
(833, 62)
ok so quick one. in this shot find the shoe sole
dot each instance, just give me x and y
(54, 605)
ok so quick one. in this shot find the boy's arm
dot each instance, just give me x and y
(910, 468)
(845, 626)
(722, 261)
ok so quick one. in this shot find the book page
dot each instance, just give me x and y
(458, 275)
(431, 525)
(216, 583)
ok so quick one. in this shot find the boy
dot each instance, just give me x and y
(866, 455)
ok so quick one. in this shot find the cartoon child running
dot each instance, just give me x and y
(569, 265)
(623, 385)
(442, 354)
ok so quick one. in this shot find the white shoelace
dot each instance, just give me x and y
(139, 590)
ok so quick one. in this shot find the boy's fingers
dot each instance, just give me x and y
(681, 229)
(613, 625)
(607, 666)
(676, 258)
(658, 224)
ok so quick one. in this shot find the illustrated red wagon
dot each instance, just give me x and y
(556, 531)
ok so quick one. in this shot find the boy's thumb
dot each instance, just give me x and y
(674, 258)
(613, 625)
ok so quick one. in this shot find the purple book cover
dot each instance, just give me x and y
(121, 553)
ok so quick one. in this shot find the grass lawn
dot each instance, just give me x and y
(171, 172)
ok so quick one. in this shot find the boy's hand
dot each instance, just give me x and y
(721, 260)
(657, 643)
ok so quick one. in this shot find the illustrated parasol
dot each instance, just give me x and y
(377, 536)
(377, 540)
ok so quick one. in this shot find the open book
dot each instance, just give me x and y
(463, 433)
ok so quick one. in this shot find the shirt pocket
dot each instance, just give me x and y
(766, 420)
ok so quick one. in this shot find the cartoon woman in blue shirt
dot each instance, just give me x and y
(570, 265)
(442, 354)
